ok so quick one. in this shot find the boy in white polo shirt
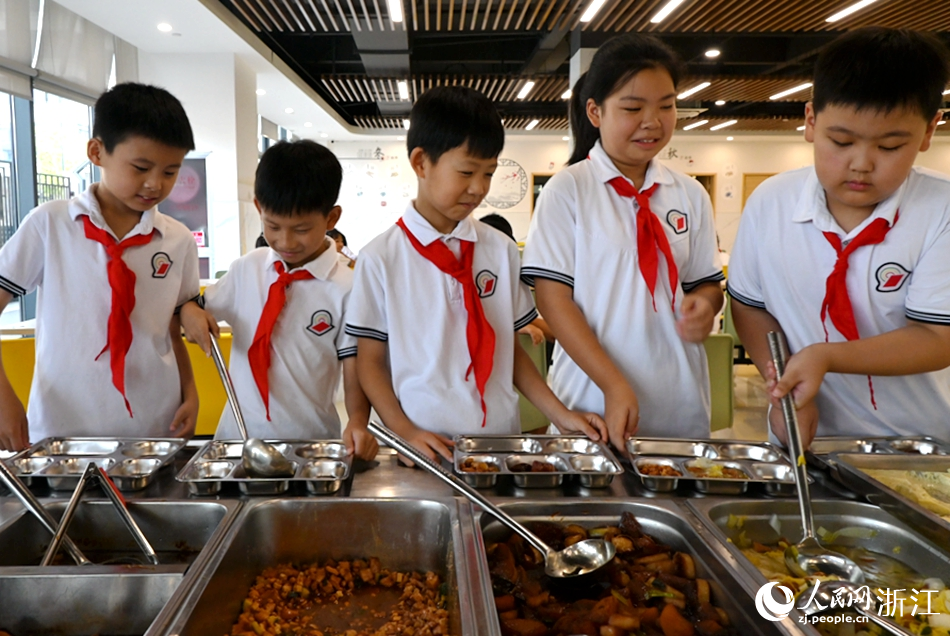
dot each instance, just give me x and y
(111, 272)
(849, 258)
(286, 305)
(437, 300)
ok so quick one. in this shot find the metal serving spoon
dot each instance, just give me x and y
(259, 457)
(826, 592)
(809, 557)
(581, 558)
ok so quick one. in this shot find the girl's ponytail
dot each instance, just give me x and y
(584, 133)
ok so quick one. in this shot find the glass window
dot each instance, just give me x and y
(8, 208)
(62, 129)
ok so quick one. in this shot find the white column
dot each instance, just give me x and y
(580, 62)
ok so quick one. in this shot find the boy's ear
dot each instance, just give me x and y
(257, 204)
(333, 216)
(931, 129)
(95, 150)
(418, 159)
(810, 122)
(593, 113)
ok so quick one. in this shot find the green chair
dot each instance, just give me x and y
(729, 327)
(531, 417)
(719, 356)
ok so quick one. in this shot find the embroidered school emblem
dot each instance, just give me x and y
(890, 277)
(161, 263)
(486, 283)
(320, 323)
(678, 221)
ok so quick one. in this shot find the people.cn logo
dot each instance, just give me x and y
(770, 609)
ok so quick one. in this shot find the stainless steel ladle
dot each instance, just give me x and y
(259, 457)
(581, 558)
(808, 557)
(826, 592)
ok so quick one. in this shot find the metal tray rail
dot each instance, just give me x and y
(764, 464)
(849, 471)
(892, 537)
(575, 458)
(322, 466)
(819, 454)
(132, 463)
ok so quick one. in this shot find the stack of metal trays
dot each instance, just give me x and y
(132, 463)
(915, 503)
(480, 460)
(717, 467)
(821, 448)
(322, 466)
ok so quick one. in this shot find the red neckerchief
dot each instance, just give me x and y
(650, 238)
(258, 354)
(837, 302)
(479, 334)
(122, 283)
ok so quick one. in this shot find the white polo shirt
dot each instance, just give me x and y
(72, 392)
(307, 345)
(781, 261)
(403, 299)
(583, 234)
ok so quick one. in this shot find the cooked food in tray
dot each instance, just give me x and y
(534, 467)
(649, 588)
(659, 470)
(473, 465)
(929, 489)
(351, 598)
(716, 471)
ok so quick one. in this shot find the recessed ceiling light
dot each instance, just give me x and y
(947, 92)
(323, 135)
(692, 90)
(720, 102)
(164, 27)
(696, 124)
(525, 90)
(289, 111)
(403, 87)
(401, 138)
(405, 124)
(666, 10)
(307, 124)
(724, 124)
(261, 91)
(800, 128)
(729, 138)
(788, 92)
(592, 10)
(857, 6)
(532, 124)
(713, 53)
(395, 10)
(566, 94)
(565, 138)
(941, 122)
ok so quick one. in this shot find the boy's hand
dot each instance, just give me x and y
(621, 415)
(807, 413)
(589, 424)
(186, 417)
(198, 325)
(537, 336)
(14, 430)
(429, 444)
(696, 318)
(804, 373)
(359, 442)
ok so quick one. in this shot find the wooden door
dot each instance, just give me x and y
(751, 181)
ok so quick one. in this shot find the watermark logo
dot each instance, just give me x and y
(768, 607)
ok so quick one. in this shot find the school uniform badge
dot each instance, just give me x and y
(486, 283)
(161, 264)
(890, 277)
(320, 323)
(678, 221)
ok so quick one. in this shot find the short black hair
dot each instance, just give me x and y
(337, 234)
(295, 177)
(447, 117)
(130, 110)
(500, 223)
(883, 69)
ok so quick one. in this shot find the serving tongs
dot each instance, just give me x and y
(95, 473)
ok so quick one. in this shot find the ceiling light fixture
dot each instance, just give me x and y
(323, 135)
(289, 111)
(800, 128)
(565, 138)
(693, 90)
(724, 124)
(403, 89)
(844, 13)
(164, 27)
(567, 94)
(531, 125)
(720, 102)
(307, 124)
(405, 124)
(395, 10)
(800, 87)
(729, 138)
(525, 90)
(400, 137)
(665, 10)
(941, 122)
(696, 125)
(947, 92)
(261, 91)
(592, 10)
(713, 53)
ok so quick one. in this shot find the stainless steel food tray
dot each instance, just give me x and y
(132, 463)
(721, 520)
(914, 445)
(850, 473)
(590, 463)
(763, 463)
(322, 466)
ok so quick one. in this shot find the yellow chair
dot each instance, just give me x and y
(19, 357)
(719, 348)
(210, 392)
(531, 417)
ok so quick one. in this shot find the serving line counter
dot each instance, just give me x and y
(406, 517)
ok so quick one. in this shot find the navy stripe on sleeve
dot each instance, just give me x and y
(715, 278)
(745, 300)
(366, 332)
(528, 274)
(348, 352)
(527, 319)
(923, 316)
(10, 286)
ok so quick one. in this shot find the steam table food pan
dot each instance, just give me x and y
(590, 463)
(759, 463)
(821, 449)
(322, 465)
(132, 463)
